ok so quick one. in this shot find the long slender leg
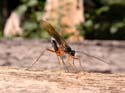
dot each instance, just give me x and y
(41, 54)
(74, 63)
(59, 60)
(80, 64)
(68, 60)
(50, 50)
(65, 67)
(77, 58)
(71, 64)
(56, 54)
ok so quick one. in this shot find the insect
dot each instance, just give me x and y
(60, 47)
(59, 44)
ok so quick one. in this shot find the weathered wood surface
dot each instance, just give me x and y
(50, 78)
(22, 53)
(13, 80)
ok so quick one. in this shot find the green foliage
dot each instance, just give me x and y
(106, 20)
(1, 35)
(112, 2)
(32, 13)
(0, 22)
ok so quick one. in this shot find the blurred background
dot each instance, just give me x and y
(95, 26)
(91, 19)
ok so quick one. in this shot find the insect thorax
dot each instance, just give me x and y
(69, 50)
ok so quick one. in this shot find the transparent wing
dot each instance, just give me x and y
(52, 32)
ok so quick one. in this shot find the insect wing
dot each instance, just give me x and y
(50, 29)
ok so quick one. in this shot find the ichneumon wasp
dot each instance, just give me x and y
(61, 47)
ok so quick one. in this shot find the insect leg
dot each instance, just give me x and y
(58, 60)
(41, 54)
(50, 50)
(72, 64)
(65, 67)
(77, 58)
(68, 60)
(56, 55)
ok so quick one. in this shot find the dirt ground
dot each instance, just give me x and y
(48, 76)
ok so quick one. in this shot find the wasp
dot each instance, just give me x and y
(60, 47)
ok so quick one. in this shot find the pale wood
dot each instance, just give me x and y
(14, 80)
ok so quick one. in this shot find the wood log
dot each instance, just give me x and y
(14, 80)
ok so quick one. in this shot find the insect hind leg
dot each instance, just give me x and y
(64, 65)
(77, 58)
(68, 61)
(74, 67)
(58, 57)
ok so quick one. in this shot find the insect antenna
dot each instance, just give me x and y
(93, 57)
